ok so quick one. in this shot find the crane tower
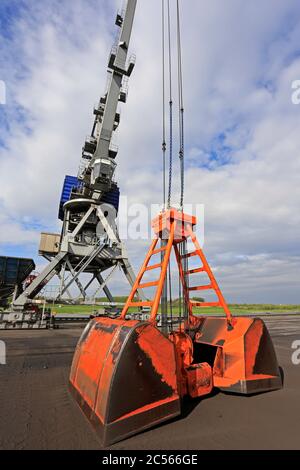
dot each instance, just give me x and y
(89, 241)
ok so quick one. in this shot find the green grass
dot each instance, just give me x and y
(59, 308)
(236, 309)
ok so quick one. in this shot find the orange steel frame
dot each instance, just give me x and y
(163, 366)
(176, 227)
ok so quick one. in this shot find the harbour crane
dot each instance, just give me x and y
(89, 241)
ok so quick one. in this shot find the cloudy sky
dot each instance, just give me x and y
(242, 129)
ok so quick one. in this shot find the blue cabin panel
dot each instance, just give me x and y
(72, 182)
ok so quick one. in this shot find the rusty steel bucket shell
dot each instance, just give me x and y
(124, 378)
(243, 357)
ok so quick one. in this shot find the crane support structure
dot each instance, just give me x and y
(89, 241)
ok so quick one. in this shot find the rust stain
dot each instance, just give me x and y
(161, 353)
(252, 341)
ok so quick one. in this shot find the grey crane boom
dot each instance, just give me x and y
(99, 172)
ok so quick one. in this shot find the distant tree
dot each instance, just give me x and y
(198, 299)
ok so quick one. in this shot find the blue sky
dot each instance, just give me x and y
(242, 130)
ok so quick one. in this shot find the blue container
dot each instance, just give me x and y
(72, 182)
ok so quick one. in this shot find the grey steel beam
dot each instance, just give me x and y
(104, 287)
(74, 278)
(82, 221)
(39, 282)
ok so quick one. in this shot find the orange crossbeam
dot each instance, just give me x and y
(140, 304)
(209, 286)
(206, 304)
(148, 284)
(174, 219)
(189, 255)
(154, 266)
(159, 250)
(194, 271)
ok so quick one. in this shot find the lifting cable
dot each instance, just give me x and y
(182, 248)
(164, 144)
(170, 108)
(180, 102)
(166, 22)
(181, 107)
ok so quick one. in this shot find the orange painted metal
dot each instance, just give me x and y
(124, 376)
(195, 271)
(207, 269)
(159, 250)
(183, 282)
(190, 255)
(205, 304)
(162, 224)
(139, 278)
(175, 226)
(209, 286)
(184, 358)
(140, 304)
(165, 264)
(199, 379)
(194, 379)
(128, 376)
(243, 358)
(154, 266)
(148, 284)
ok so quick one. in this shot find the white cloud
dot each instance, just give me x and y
(238, 69)
(14, 233)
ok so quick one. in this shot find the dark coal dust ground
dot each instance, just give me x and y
(37, 411)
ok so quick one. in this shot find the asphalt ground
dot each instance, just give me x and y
(37, 411)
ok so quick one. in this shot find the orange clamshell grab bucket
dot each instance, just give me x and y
(124, 377)
(127, 375)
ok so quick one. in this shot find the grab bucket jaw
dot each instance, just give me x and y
(127, 376)
(244, 360)
(124, 377)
